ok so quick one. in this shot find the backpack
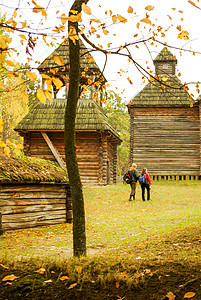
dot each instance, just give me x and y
(127, 178)
(143, 178)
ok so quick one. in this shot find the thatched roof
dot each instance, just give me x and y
(50, 117)
(86, 61)
(165, 90)
(30, 169)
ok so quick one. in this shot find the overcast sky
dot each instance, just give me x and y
(184, 14)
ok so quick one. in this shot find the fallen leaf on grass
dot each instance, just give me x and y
(48, 281)
(117, 285)
(64, 278)
(189, 295)
(9, 283)
(40, 271)
(3, 266)
(78, 269)
(9, 278)
(72, 286)
(170, 296)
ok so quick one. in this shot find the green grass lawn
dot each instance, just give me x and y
(116, 226)
(136, 250)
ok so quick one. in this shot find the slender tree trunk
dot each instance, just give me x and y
(79, 235)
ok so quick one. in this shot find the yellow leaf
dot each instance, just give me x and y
(19, 146)
(22, 36)
(117, 285)
(170, 296)
(9, 278)
(59, 60)
(1, 125)
(114, 18)
(3, 44)
(7, 151)
(31, 75)
(57, 82)
(78, 269)
(121, 19)
(183, 35)
(149, 7)
(49, 96)
(74, 18)
(130, 10)
(2, 58)
(45, 76)
(63, 19)
(86, 9)
(64, 278)
(2, 86)
(72, 286)
(15, 13)
(189, 295)
(105, 31)
(40, 271)
(10, 63)
(38, 9)
(73, 34)
(3, 266)
(41, 96)
(9, 143)
(74, 11)
(95, 20)
(146, 20)
(25, 97)
(192, 3)
(138, 25)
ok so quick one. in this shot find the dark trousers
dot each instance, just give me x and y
(147, 187)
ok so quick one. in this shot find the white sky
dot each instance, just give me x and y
(188, 65)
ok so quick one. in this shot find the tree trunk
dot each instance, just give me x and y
(79, 235)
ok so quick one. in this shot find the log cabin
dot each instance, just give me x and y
(165, 125)
(96, 139)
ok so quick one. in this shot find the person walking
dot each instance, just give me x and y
(145, 183)
(134, 176)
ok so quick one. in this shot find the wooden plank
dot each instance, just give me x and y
(31, 224)
(54, 150)
(29, 202)
(1, 226)
(6, 210)
(32, 216)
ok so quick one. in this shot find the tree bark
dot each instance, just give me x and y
(79, 235)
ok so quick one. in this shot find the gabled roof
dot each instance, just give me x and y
(50, 117)
(165, 90)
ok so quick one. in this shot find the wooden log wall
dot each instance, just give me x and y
(110, 158)
(88, 156)
(200, 131)
(31, 205)
(166, 140)
(94, 151)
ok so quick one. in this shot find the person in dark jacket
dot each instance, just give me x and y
(134, 176)
(146, 184)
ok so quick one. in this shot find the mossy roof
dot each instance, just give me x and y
(155, 93)
(50, 117)
(165, 55)
(86, 60)
(30, 169)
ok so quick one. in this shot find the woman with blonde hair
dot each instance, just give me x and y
(133, 172)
